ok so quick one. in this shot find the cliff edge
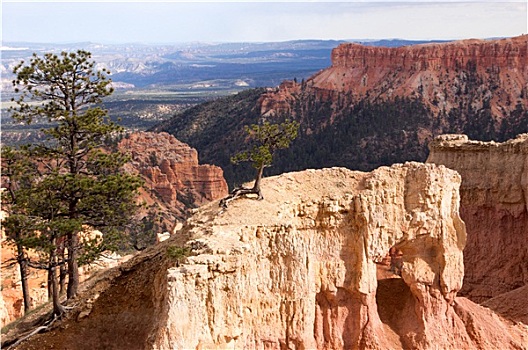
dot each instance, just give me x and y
(300, 270)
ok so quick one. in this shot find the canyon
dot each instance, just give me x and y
(410, 255)
(373, 106)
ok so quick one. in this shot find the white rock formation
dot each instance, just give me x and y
(298, 270)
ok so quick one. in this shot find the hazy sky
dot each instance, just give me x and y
(221, 21)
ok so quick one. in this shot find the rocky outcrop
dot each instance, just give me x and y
(449, 75)
(280, 100)
(171, 170)
(494, 205)
(300, 270)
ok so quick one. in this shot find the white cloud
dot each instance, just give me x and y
(177, 21)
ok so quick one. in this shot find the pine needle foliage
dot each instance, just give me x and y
(78, 186)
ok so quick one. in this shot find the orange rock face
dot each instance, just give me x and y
(170, 168)
(440, 74)
(494, 205)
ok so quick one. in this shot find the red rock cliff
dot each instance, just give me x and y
(444, 75)
(171, 169)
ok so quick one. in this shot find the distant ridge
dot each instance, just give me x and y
(397, 42)
(377, 106)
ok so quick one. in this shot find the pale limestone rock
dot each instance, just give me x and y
(160, 237)
(298, 270)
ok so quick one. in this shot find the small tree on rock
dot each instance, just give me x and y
(265, 139)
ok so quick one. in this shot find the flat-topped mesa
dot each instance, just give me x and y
(439, 73)
(171, 169)
(494, 205)
(444, 76)
(506, 53)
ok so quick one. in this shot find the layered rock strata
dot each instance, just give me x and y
(444, 76)
(171, 170)
(494, 205)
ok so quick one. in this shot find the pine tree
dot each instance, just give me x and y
(266, 139)
(17, 173)
(80, 185)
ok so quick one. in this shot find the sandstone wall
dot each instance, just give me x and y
(171, 169)
(494, 205)
(500, 53)
(444, 76)
(298, 270)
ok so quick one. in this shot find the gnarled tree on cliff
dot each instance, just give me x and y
(79, 187)
(265, 139)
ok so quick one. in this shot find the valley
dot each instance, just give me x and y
(373, 106)
(154, 82)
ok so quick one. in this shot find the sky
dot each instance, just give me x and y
(258, 21)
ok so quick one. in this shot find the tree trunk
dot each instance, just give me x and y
(50, 279)
(62, 270)
(73, 267)
(256, 185)
(237, 192)
(58, 309)
(22, 263)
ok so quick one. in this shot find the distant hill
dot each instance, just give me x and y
(374, 106)
(153, 82)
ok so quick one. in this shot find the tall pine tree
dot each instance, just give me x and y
(82, 184)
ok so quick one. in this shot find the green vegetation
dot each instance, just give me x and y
(266, 139)
(362, 135)
(177, 254)
(66, 186)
